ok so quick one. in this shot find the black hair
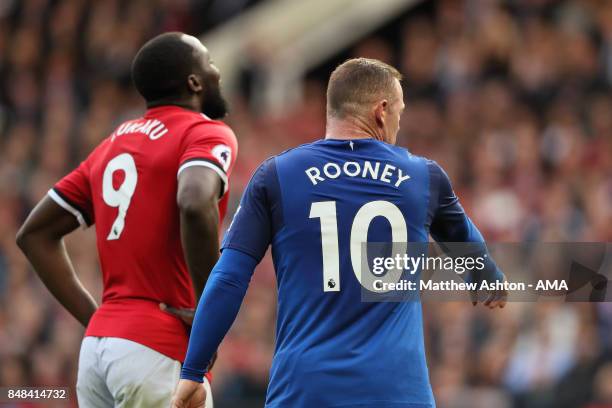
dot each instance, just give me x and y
(161, 67)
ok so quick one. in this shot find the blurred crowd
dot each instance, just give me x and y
(511, 98)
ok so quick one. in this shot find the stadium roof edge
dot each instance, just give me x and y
(289, 37)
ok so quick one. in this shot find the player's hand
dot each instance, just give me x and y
(186, 315)
(495, 298)
(189, 394)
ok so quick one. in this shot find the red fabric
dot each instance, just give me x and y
(145, 265)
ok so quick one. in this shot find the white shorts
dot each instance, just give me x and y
(120, 373)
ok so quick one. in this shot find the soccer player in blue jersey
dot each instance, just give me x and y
(316, 204)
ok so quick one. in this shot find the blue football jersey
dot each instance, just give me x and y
(315, 205)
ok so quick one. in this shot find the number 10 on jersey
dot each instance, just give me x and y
(326, 212)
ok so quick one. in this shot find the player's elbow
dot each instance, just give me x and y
(23, 238)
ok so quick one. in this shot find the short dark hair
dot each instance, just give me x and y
(357, 82)
(161, 67)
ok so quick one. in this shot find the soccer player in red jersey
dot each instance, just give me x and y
(156, 189)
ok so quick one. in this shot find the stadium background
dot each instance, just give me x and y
(512, 98)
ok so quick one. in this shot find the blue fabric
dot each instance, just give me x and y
(259, 214)
(217, 310)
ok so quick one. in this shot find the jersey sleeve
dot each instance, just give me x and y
(212, 145)
(73, 193)
(450, 223)
(251, 229)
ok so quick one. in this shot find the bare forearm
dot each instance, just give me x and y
(50, 261)
(199, 233)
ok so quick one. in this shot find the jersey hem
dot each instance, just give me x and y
(61, 200)
(206, 163)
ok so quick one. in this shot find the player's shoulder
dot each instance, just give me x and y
(200, 123)
(403, 153)
(400, 155)
(428, 166)
(266, 169)
(296, 150)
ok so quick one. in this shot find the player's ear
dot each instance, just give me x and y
(379, 112)
(194, 83)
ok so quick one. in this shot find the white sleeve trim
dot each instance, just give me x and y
(205, 163)
(66, 206)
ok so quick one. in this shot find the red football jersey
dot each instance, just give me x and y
(127, 187)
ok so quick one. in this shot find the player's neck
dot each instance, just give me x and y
(173, 102)
(347, 130)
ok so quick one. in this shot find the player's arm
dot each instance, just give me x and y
(244, 245)
(198, 202)
(450, 223)
(41, 240)
(206, 162)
